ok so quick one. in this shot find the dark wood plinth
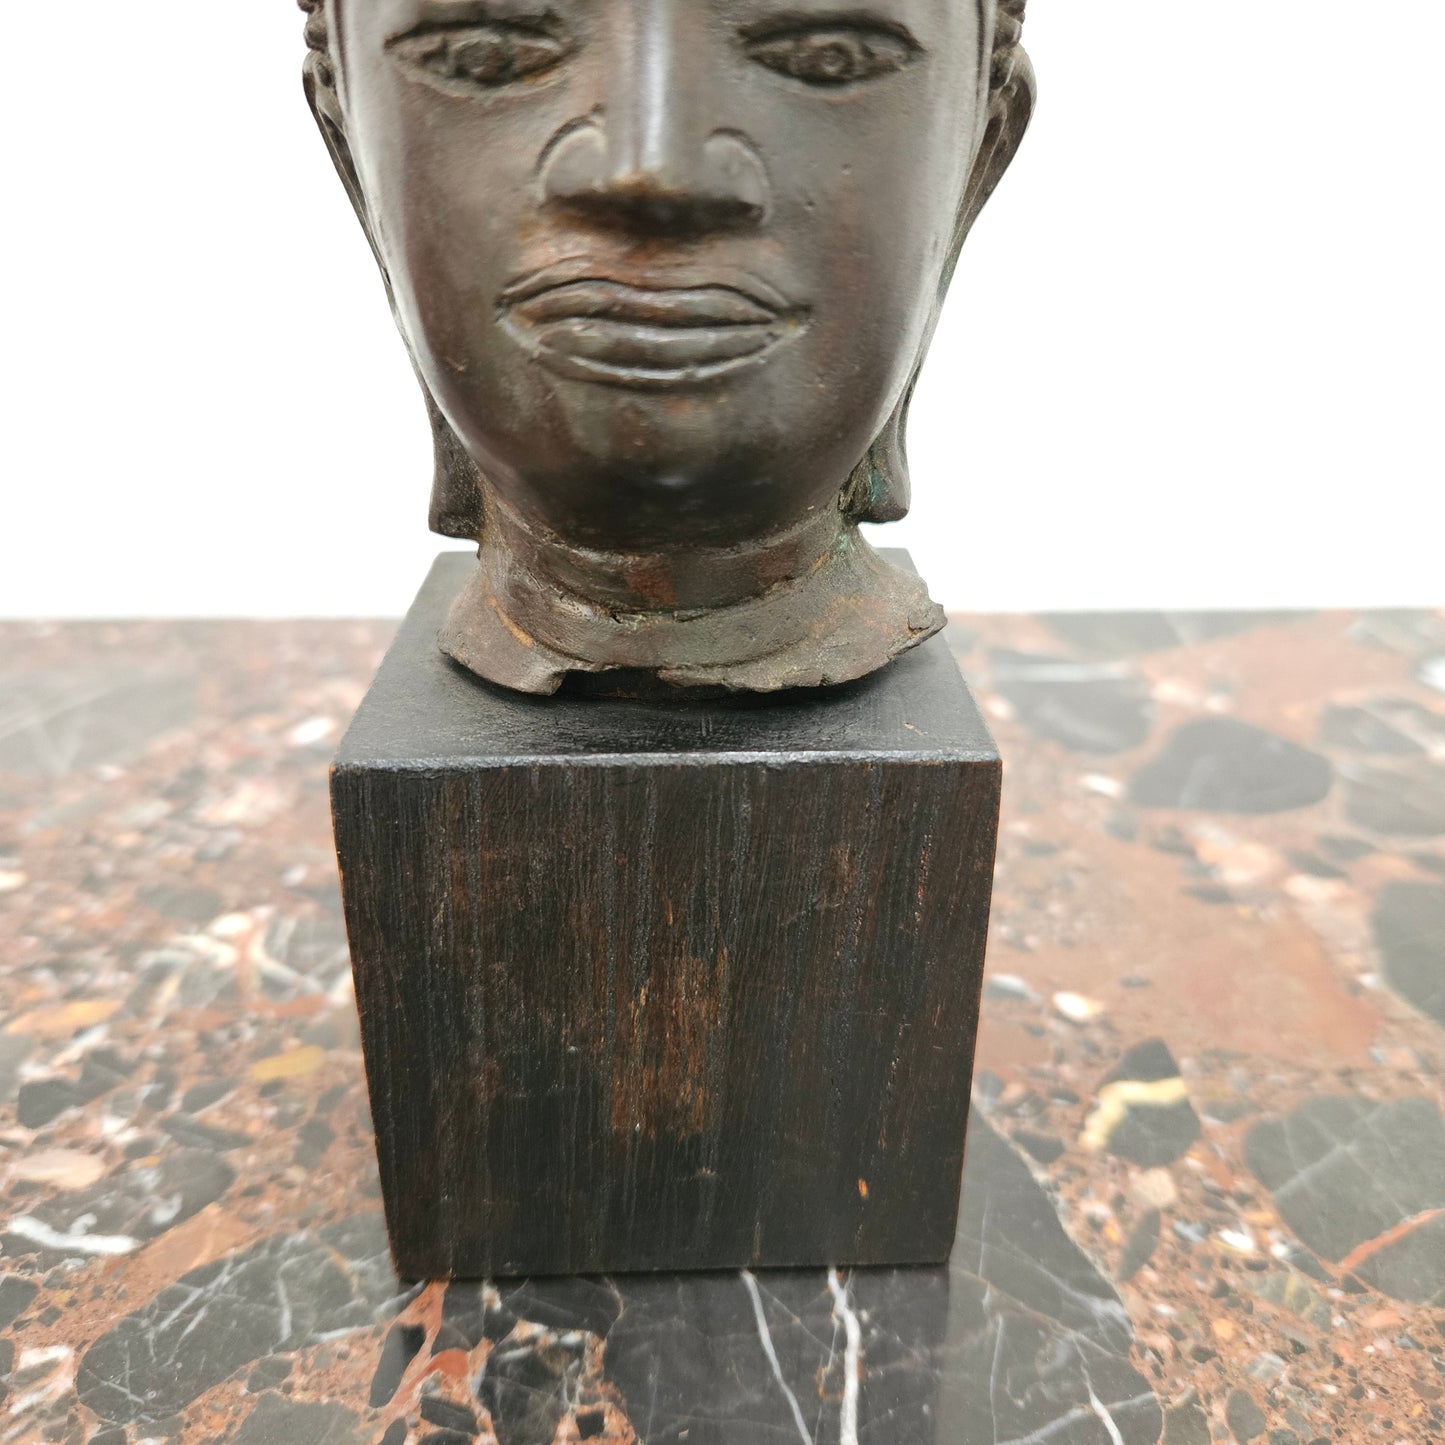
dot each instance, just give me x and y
(665, 986)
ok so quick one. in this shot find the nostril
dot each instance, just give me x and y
(720, 184)
(575, 161)
(735, 168)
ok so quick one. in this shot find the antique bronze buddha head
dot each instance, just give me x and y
(667, 270)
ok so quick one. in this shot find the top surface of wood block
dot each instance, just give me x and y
(424, 711)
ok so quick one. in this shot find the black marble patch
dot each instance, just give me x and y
(67, 721)
(1244, 1418)
(1221, 765)
(268, 1374)
(15, 1296)
(1125, 634)
(200, 1097)
(397, 1352)
(449, 1415)
(1341, 849)
(1313, 866)
(1404, 802)
(1045, 1148)
(277, 1421)
(182, 902)
(1173, 841)
(1151, 1127)
(1139, 1248)
(278, 1296)
(1214, 894)
(1389, 727)
(1010, 1234)
(102, 1070)
(1019, 1378)
(196, 1135)
(466, 1314)
(1101, 709)
(1409, 926)
(1363, 1182)
(43, 1100)
(1186, 1424)
(1399, 629)
(313, 1139)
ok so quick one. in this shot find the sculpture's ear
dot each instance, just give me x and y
(879, 489)
(1012, 93)
(319, 79)
(456, 500)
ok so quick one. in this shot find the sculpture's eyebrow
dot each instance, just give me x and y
(802, 16)
(460, 12)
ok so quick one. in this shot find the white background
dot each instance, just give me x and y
(1193, 357)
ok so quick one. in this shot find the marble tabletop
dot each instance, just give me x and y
(1205, 1191)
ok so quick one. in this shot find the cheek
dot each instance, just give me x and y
(448, 245)
(449, 211)
(874, 208)
(873, 193)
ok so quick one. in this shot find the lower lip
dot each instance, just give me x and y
(648, 354)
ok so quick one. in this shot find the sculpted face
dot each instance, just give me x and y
(667, 268)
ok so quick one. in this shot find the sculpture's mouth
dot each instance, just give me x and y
(654, 332)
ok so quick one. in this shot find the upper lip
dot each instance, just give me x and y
(673, 297)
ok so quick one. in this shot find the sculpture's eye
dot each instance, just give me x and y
(833, 55)
(491, 54)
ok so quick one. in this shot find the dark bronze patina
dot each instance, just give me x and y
(668, 270)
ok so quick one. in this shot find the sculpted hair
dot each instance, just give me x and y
(878, 489)
(1008, 36)
(318, 43)
(317, 40)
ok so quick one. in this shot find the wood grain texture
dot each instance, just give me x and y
(655, 986)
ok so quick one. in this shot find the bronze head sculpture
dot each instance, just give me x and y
(667, 270)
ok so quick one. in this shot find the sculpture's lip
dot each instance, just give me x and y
(663, 279)
(650, 330)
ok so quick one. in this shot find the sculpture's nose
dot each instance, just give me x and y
(653, 157)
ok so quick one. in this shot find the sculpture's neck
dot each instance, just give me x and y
(652, 584)
(812, 606)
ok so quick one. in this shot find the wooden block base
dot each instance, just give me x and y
(667, 985)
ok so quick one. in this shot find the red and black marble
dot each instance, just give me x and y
(1205, 1193)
